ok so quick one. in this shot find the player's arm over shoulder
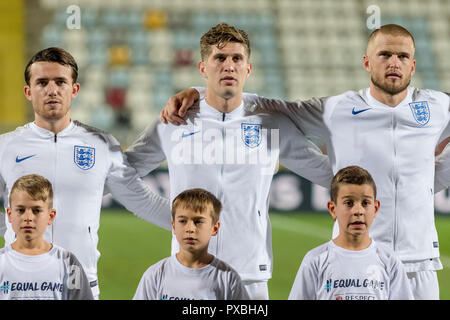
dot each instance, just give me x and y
(299, 109)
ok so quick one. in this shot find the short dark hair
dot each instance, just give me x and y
(219, 35)
(197, 200)
(351, 175)
(53, 54)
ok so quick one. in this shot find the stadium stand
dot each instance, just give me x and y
(135, 54)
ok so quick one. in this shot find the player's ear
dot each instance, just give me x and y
(173, 224)
(75, 89)
(201, 69)
(249, 68)
(366, 63)
(377, 207)
(8, 212)
(27, 92)
(216, 227)
(52, 216)
(413, 69)
(332, 209)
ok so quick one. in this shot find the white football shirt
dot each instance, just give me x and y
(54, 275)
(396, 145)
(330, 272)
(168, 279)
(234, 156)
(82, 163)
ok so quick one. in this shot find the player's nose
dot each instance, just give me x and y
(28, 215)
(229, 64)
(190, 227)
(358, 209)
(394, 61)
(52, 88)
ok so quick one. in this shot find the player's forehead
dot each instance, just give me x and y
(228, 48)
(388, 42)
(23, 198)
(186, 212)
(353, 191)
(49, 70)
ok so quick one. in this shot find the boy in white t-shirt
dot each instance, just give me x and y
(352, 266)
(193, 273)
(30, 267)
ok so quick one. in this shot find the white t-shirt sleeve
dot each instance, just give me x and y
(147, 288)
(78, 287)
(238, 290)
(305, 283)
(399, 288)
(130, 190)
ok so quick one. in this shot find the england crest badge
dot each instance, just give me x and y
(251, 134)
(420, 111)
(84, 157)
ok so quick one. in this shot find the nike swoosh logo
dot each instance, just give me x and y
(359, 111)
(184, 135)
(22, 159)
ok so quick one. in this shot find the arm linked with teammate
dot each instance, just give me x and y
(307, 115)
(129, 189)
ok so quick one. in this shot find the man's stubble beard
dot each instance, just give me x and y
(390, 89)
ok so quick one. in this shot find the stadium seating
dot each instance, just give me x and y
(137, 53)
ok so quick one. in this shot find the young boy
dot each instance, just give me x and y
(193, 273)
(30, 267)
(352, 266)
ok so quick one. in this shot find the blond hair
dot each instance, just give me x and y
(197, 200)
(36, 186)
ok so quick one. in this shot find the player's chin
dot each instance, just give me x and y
(396, 85)
(357, 229)
(190, 243)
(228, 93)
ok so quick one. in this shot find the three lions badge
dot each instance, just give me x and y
(84, 157)
(420, 111)
(251, 134)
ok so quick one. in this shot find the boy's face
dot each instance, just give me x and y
(194, 229)
(355, 208)
(29, 218)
